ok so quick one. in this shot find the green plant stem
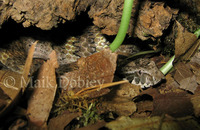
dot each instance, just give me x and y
(126, 15)
(197, 32)
(169, 65)
(143, 53)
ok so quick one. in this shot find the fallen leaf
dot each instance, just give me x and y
(185, 77)
(29, 61)
(126, 90)
(163, 123)
(40, 103)
(13, 84)
(173, 104)
(96, 69)
(96, 126)
(195, 65)
(121, 106)
(195, 99)
(191, 51)
(3, 103)
(196, 57)
(171, 83)
(61, 121)
(144, 106)
(18, 124)
(183, 42)
(119, 100)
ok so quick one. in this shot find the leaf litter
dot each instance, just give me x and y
(85, 95)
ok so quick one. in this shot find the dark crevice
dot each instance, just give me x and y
(11, 31)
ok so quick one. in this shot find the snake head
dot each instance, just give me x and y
(143, 72)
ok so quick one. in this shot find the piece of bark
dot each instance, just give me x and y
(153, 19)
(105, 14)
(40, 103)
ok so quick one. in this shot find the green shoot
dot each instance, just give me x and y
(197, 32)
(168, 66)
(126, 15)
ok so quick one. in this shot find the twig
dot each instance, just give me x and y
(98, 87)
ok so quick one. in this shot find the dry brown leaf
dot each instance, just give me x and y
(40, 103)
(171, 83)
(145, 106)
(195, 99)
(121, 106)
(126, 90)
(61, 121)
(174, 104)
(94, 70)
(196, 57)
(119, 100)
(96, 126)
(3, 103)
(185, 77)
(195, 69)
(13, 84)
(191, 51)
(154, 123)
(183, 42)
(18, 124)
(29, 61)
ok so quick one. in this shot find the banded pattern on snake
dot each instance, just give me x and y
(89, 42)
(140, 72)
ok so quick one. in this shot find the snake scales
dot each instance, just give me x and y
(89, 42)
(142, 72)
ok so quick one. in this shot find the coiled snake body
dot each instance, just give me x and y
(89, 42)
(141, 72)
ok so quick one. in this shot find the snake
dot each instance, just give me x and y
(84, 45)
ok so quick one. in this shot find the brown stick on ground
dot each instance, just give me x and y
(40, 103)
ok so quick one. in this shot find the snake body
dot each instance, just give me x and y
(141, 72)
(89, 42)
